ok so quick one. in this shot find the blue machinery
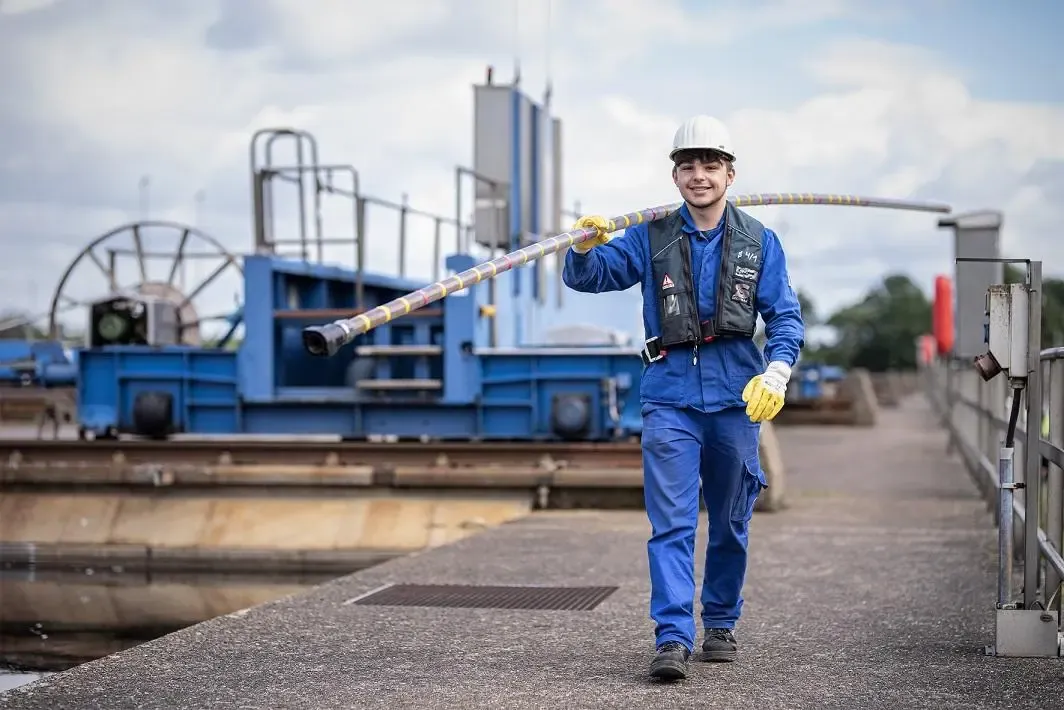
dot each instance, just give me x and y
(442, 371)
(36, 363)
(437, 372)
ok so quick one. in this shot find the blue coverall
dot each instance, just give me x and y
(695, 428)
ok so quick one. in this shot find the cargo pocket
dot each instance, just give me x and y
(749, 489)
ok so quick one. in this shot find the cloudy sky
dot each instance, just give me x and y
(116, 110)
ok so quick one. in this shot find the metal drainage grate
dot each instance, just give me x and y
(488, 597)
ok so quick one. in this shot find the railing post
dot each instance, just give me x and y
(360, 251)
(1055, 477)
(437, 246)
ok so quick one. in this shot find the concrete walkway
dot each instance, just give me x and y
(875, 589)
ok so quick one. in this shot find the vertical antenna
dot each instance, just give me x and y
(547, 44)
(145, 195)
(517, 42)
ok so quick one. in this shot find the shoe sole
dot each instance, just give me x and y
(719, 656)
(668, 671)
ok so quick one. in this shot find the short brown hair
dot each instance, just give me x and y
(702, 155)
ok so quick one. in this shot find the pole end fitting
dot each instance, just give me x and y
(324, 340)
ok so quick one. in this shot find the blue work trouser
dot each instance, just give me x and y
(682, 448)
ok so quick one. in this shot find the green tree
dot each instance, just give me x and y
(879, 332)
(1052, 305)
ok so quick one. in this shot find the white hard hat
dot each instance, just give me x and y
(703, 133)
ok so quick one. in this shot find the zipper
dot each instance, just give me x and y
(694, 354)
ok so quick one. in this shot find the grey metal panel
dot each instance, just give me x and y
(976, 235)
(545, 163)
(525, 164)
(556, 189)
(492, 158)
(558, 194)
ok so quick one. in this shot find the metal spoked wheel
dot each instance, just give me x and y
(168, 260)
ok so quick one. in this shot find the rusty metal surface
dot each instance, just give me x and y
(467, 596)
(310, 452)
(316, 464)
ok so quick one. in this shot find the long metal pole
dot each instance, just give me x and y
(328, 339)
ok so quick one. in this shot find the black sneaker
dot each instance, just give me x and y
(719, 645)
(670, 663)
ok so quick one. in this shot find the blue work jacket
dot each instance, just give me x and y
(711, 376)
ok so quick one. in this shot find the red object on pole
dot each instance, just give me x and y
(942, 315)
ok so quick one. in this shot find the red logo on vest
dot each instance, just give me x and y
(666, 282)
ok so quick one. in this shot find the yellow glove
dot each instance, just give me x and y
(591, 221)
(765, 393)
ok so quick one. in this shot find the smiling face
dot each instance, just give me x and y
(702, 177)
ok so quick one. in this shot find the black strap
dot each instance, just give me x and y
(652, 350)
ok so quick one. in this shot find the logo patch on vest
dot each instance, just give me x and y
(741, 293)
(745, 272)
(667, 282)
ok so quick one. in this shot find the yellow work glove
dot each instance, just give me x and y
(765, 393)
(596, 221)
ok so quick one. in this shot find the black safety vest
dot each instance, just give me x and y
(677, 298)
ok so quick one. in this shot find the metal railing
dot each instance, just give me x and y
(976, 414)
(313, 181)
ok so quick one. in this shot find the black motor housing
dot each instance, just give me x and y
(570, 416)
(153, 414)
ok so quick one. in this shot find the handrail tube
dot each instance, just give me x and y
(328, 339)
(1053, 557)
(971, 438)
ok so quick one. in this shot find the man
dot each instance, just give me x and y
(702, 365)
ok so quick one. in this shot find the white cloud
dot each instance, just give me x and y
(19, 7)
(104, 97)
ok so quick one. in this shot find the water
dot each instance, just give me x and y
(51, 621)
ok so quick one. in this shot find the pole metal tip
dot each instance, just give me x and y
(323, 340)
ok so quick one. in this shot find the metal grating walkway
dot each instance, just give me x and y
(488, 597)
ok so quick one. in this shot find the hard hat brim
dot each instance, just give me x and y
(717, 151)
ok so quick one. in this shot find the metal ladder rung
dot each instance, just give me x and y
(399, 350)
(411, 384)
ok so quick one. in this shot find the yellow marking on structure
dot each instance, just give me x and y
(639, 219)
(443, 289)
(494, 268)
(461, 282)
(362, 317)
(406, 304)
